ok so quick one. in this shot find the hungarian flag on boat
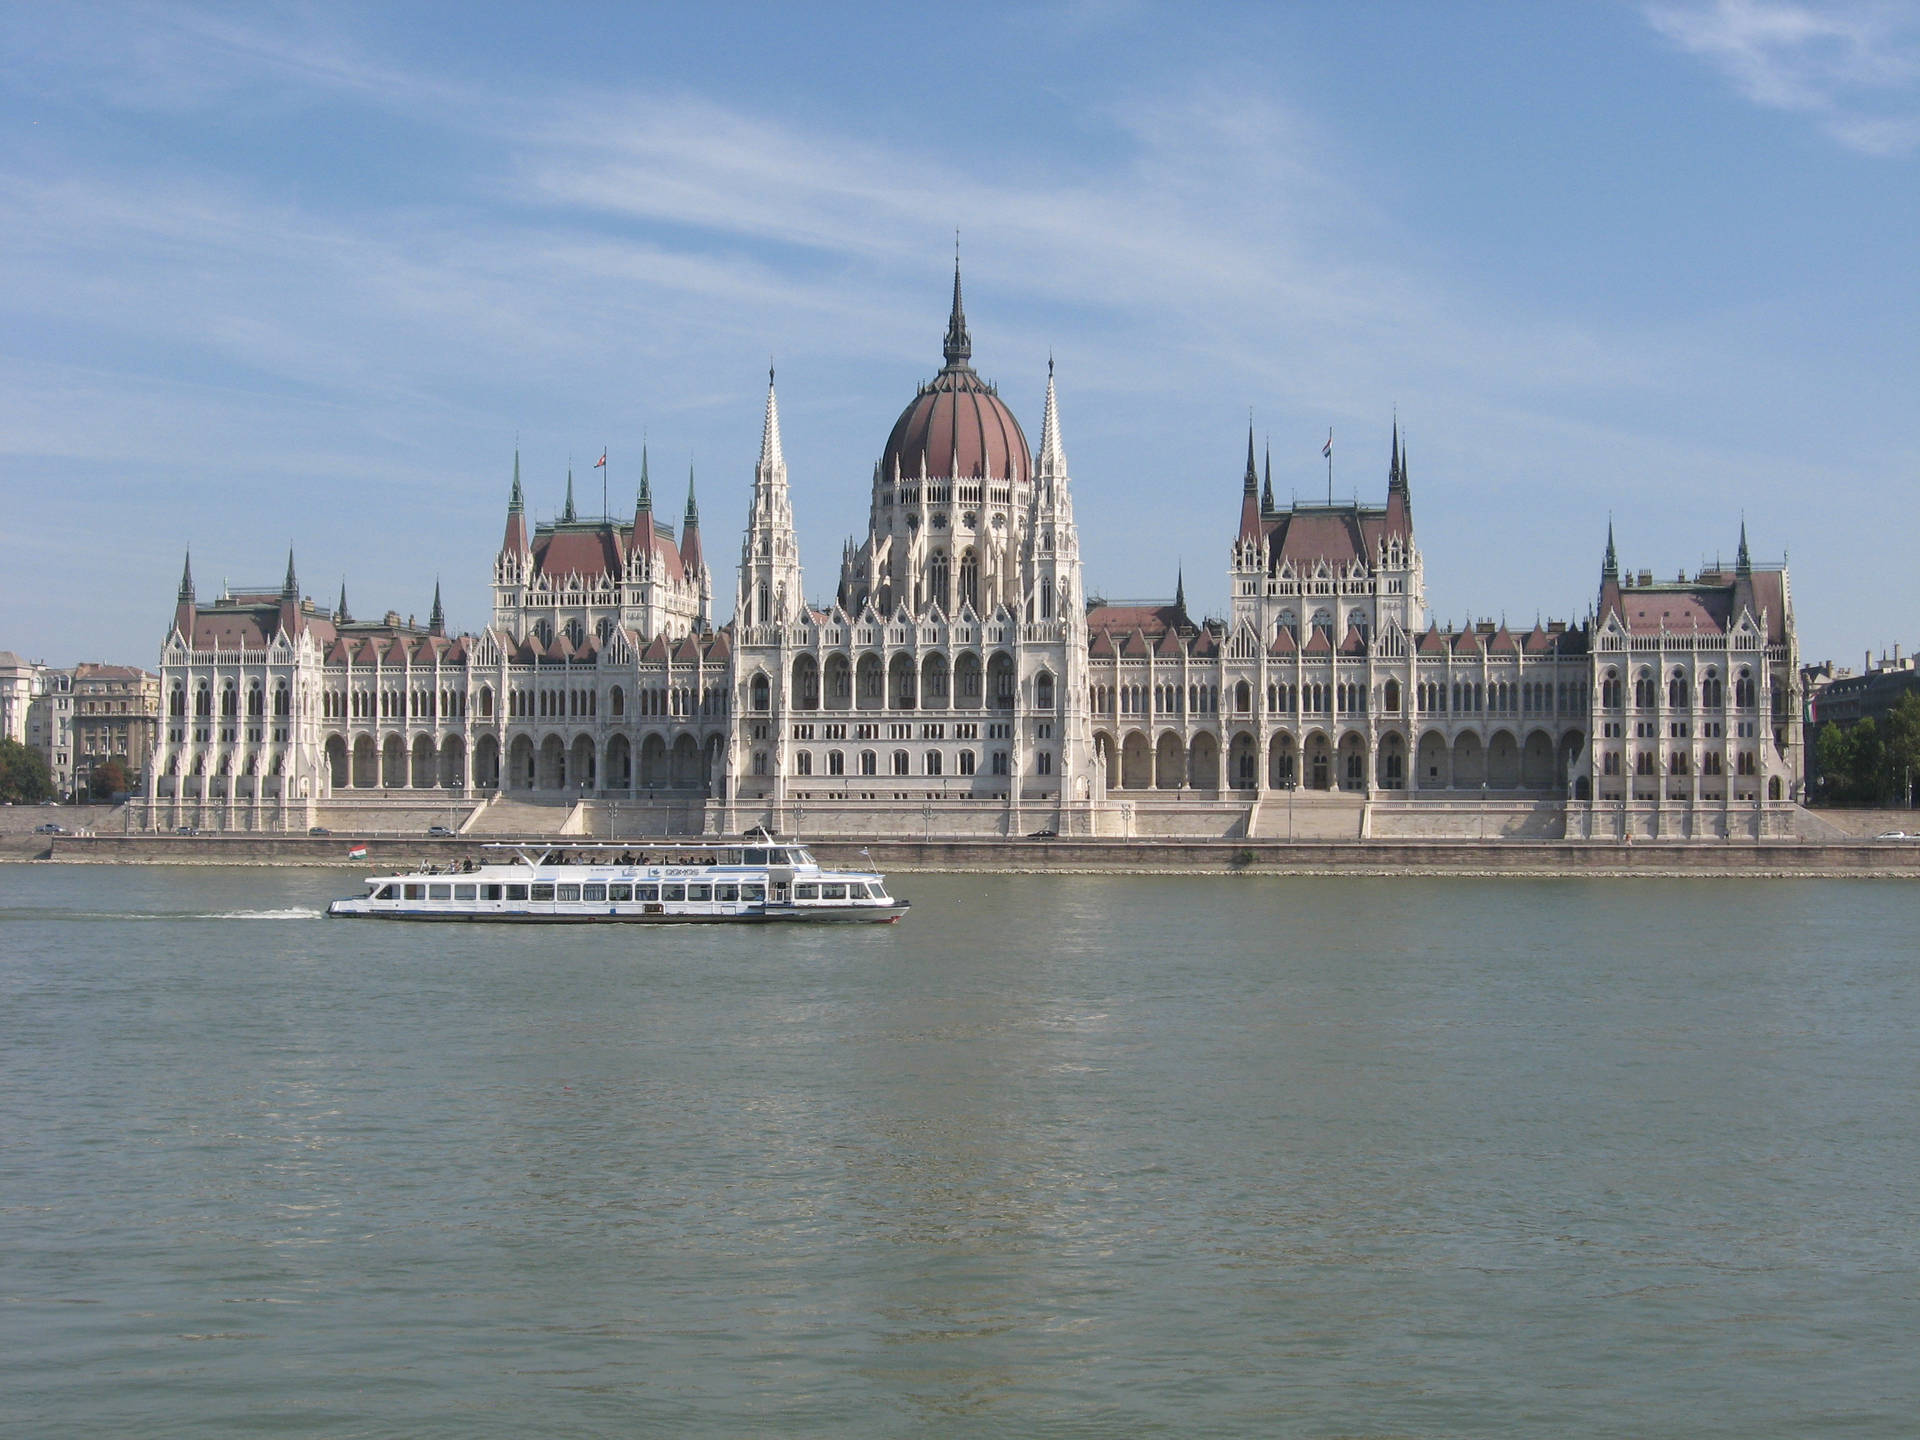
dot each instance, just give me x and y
(358, 852)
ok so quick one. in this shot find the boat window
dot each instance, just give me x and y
(699, 892)
(726, 857)
(756, 857)
(439, 892)
(647, 893)
(803, 857)
(490, 892)
(568, 892)
(543, 892)
(877, 892)
(466, 892)
(415, 892)
(806, 892)
(833, 892)
(673, 892)
(754, 894)
(620, 892)
(726, 892)
(593, 892)
(516, 892)
(385, 892)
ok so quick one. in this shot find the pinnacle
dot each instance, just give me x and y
(772, 455)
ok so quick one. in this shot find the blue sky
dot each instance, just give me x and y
(305, 274)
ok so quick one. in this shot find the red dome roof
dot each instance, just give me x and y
(957, 421)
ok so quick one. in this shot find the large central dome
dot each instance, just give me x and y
(957, 422)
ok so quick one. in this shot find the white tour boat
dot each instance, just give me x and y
(753, 880)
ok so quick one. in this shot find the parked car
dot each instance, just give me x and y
(438, 832)
(1893, 835)
(318, 830)
(186, 829)
(49, 829)
(1044, 835)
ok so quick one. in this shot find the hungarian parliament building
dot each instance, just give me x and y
(963, 684)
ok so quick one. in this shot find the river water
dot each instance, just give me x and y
(1054, 1156)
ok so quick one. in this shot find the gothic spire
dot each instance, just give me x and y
(340, 615)
(1053, 457)
(567, 513)
(437, 622)
(1395, 478)
(1251, 484)
(959, 346)
(693, 506)
(290, 587)
(516, 502)
(1180, 590)
(1266, 493)
(1610, 567)
(771, 454)
(644, 501)
(186, 580)
(1743, 563)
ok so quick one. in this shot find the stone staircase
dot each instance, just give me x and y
(1311, 815)
(513, 815)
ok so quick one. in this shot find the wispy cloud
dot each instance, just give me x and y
(1853, 67)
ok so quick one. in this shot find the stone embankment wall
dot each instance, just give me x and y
(1091, 856)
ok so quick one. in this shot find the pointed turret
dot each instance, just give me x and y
(184, 607)
(515, 542)
(1743, 562)
(690, 529)
(959, 344)
(290, 618)
(1051, 463)
(1396, 478)
(1610, 567)
(1266, 490)
(769, 582)
(1180, 590)
(1250, 495)
(567, 513)
(640, 546)
(437, 622)
(771, 453)
(340, 615)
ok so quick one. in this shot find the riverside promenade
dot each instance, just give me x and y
(1749, 859)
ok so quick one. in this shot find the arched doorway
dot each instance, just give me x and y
(582, 765)
(1136, 762)
(1169, 762)
(393, 764)
(1203, 762)
(1319, 761)
(486, 763)
(1469, 762)
(1353, 761)
(453, 763)
(653, 763)
(553, 764)
(1435, 763)
(619, 764)
(1243, 762)
(1390, 770)
(1536, 762)
(1283, 769)
(423, 762)
(1503, 761)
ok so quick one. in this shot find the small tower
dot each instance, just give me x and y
(290, 600)
(184, 608)
(437, 623)
(770, 592)
(692, 563)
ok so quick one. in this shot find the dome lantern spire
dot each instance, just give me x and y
(959, 345)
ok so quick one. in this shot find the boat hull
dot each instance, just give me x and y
(772, 915)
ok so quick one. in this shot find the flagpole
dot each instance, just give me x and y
(605, 515)
(1329, 465)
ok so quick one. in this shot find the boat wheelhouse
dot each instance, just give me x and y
(754, 880)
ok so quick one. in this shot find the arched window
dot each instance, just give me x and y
(1677, 689)
(576, 633)
(836, 763)
(604, 629)
(1610, 691)
(869, 763)
(1744, 694)
(762, 694)
(901, 761)
(1393, 697)
(256, 701)
(1242, 698)
(1646, 693)
(969, 579)
(1043, 690)
(803, 762)
(933, 762)
(937, 581)
(1713, 694)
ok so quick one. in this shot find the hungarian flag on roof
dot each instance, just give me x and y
(1327, 449)
(601, 463)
